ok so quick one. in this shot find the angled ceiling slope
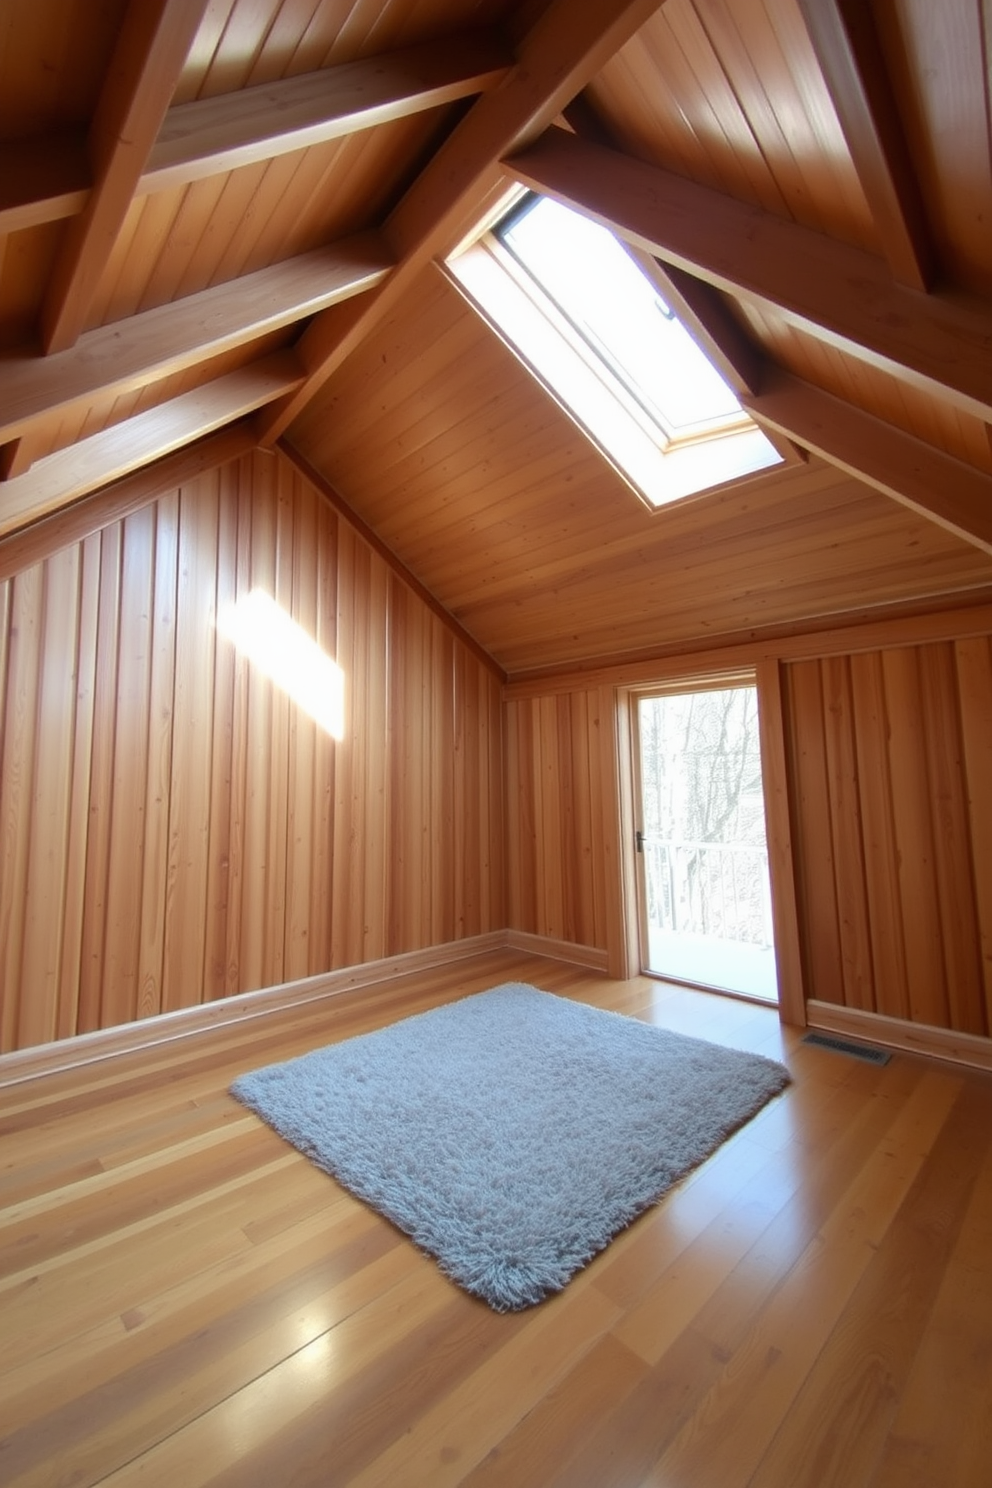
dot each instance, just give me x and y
(206, 210)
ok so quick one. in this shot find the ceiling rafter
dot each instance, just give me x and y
(837, 293)
(72, 524)
(698, 306)
(211, 135)
(145, 437)
(154, 42)
(958, 497)
(48, 177)
(170, 338)
(568, 44)
(850, 57)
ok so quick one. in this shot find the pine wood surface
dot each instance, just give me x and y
(889, 802)
(184, 1299)
(157, 789)
(439, 439)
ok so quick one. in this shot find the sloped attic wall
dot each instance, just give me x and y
(174, 830)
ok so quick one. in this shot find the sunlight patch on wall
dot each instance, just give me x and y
(281, 649)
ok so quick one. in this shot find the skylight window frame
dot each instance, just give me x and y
(659, 469)
(616, 378)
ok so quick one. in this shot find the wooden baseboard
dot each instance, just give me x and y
(86, 1048)
(558, 950)
(896, 1033)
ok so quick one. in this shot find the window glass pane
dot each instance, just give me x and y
(596, 283)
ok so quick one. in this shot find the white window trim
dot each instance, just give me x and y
(545, 340)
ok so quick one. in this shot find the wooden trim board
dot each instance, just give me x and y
(557, 950)
(913, 1038)
(106, 1043)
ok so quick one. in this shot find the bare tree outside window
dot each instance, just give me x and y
(706, 862)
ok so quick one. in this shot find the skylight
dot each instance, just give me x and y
(585, 317)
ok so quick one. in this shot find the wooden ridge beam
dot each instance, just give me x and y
(567, 46)
(850, 57)
(61, 478)
(211, 135)
(71, 524)
(154, 41)
(935, 485)
(837, 293)
(155, 343)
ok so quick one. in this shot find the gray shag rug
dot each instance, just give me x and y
(513, 1133)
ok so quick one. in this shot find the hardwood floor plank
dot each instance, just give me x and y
(862, 1370)
(730, 1432)
(943, 1429)
(188, 1301)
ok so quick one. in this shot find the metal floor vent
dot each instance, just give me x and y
(844, 1046)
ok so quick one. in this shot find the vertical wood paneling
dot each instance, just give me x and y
(845, 812)
(816, 873)
(889, 766)
(973, 660)
(556, 840)
(100, 783)
(880, 852)
(79, 810)
(781, 854)
(953, 870)
(18, 754)
(172, 827)
(49, 802)
(130, 772)
(189, 799)
(914, 837)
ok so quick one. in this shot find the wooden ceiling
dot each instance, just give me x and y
(232, 215)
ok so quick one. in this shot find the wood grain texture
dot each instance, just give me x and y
(558, 823)
(892, 833)
(174, 829)
(439, 439)
(188, 1300)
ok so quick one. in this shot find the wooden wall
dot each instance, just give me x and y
(561, 843)
(172, 828)
(890, 758)
(888, 770)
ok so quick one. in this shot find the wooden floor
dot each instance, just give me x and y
(184, 1300)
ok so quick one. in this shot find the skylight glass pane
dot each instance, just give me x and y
(596, 283)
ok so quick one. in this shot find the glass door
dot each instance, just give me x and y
(702, 856)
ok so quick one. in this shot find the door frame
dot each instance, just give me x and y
(765, 676)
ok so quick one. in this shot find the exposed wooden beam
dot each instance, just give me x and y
(15, 458)
(958, 497)
(48, 177)
(850, 56)
(154, 41)
(72, 524)
(699, 307)
(234, 129)
(63, 477)
(565, 48)
(839, 294)
(42, 179)
(134, 352)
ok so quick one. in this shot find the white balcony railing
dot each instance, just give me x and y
(718, 889)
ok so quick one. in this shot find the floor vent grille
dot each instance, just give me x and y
(844, 1046)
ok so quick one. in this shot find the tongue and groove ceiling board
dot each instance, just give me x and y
(154, 154)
